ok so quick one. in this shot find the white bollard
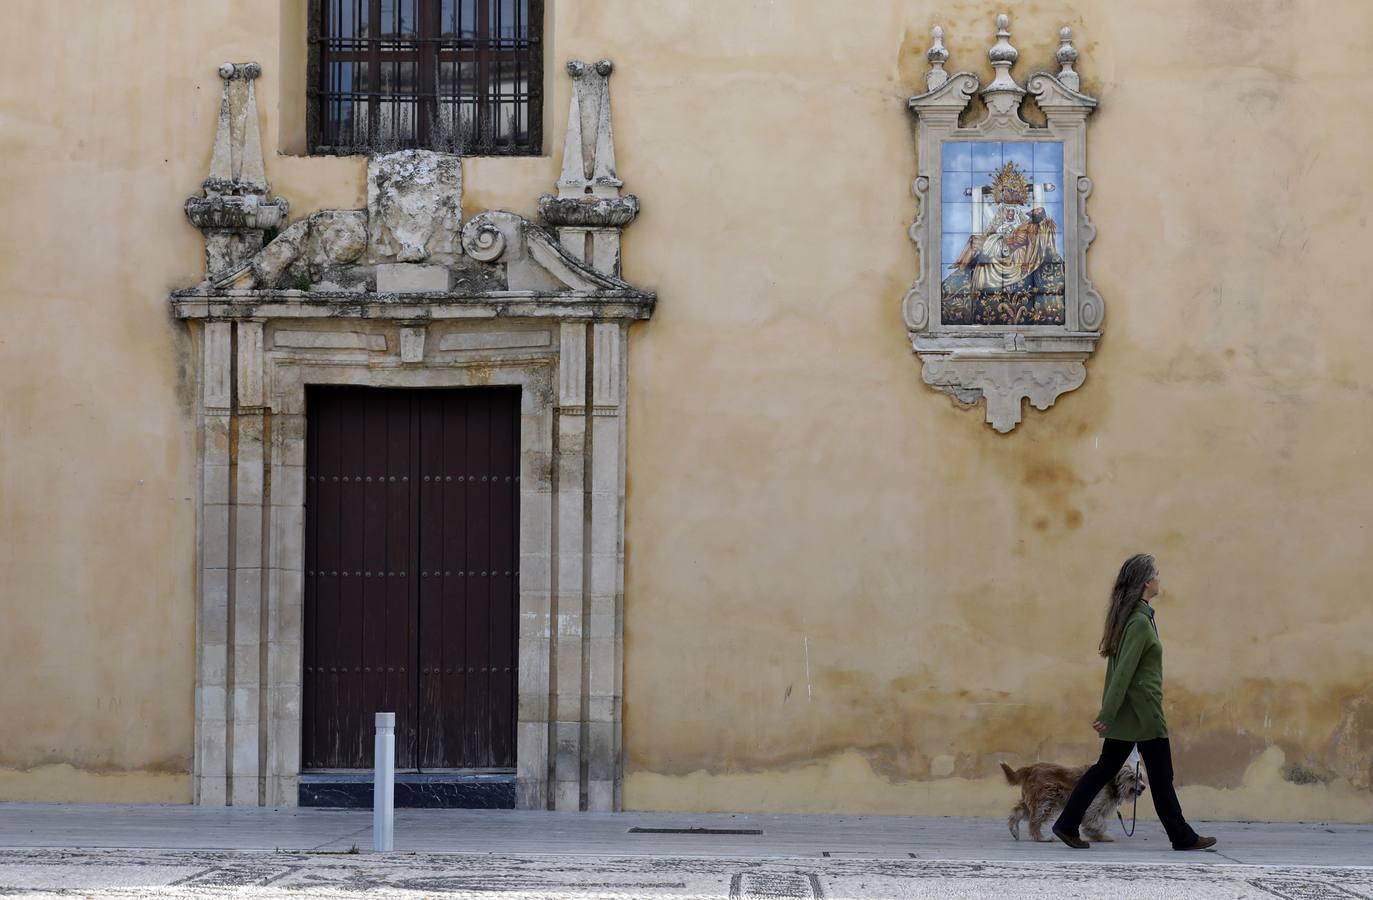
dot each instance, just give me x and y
(384, 787)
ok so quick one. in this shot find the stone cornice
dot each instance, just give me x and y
(291, 304)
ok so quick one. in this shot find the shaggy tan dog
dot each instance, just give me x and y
(1044, 790)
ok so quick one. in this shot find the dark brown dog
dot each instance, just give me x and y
(1044, 790)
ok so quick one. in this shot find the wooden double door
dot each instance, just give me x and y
(411, 575)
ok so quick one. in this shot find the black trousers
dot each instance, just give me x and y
(1158, 762)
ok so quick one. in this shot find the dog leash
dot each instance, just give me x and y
(1134, 809)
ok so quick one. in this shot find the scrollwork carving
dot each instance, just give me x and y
(914, 307)
(243, 71)
(920, 188)
(483, 240)
(1049, 92)
(1091, 309)
(1005, 383)
(494, 236)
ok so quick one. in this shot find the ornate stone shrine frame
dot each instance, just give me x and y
(1029, 316)
(406, 293)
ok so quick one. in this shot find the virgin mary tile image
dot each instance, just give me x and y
(1002, 237)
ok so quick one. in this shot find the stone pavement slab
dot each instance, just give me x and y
(533, 832)
(254, 874)
(184, 851)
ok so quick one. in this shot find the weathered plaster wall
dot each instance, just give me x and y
(843, 593)
(108, 115)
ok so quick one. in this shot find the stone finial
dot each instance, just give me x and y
(937, 55)
(235, 213)
(589, 144)
(588, 195)
(237, 158)
(1066, 56)
(1003, 55)
(1003, 95)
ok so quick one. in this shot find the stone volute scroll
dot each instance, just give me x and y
(1002, 308)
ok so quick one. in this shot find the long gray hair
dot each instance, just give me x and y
(1138, 571)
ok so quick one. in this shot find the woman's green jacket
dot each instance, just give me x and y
(1132, 700)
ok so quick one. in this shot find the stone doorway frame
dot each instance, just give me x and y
(255, 360)
(411, 293)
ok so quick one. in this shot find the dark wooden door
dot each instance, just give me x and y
(411, 588)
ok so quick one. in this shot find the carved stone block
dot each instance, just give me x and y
(414, 206)
(1004, 381)
(311, 248)
(412, 343)
(411, 278)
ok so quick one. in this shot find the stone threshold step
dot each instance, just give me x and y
(414, 790)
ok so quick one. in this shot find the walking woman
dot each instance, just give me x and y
(1132, 709)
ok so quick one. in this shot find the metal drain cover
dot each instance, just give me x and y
(637, 829)
(774, 886)
(1292, 889)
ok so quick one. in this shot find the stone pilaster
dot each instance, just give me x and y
(212, 682)
(246, 516)
(604, 625)
(285, 617)
(536, 639)
(232, 731)
(569, 574)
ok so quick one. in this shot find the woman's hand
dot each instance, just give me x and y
(1099, 726)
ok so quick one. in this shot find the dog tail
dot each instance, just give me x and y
(1012, 776)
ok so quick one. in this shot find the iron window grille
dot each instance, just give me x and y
(461, 76)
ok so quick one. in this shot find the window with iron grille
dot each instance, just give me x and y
(462, 76)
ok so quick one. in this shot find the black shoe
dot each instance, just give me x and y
(1078, 843)
(1202, 843)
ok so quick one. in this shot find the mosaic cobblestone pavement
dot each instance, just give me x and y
(127, 873)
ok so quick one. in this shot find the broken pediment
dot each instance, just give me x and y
(412, 238)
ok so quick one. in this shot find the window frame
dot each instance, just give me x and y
(426, 50)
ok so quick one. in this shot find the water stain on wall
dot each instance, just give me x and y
(908, 730)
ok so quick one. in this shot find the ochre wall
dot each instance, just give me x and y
(843, 593)
(846, 594)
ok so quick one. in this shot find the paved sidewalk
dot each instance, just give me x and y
(526, 832)
(184, 851)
